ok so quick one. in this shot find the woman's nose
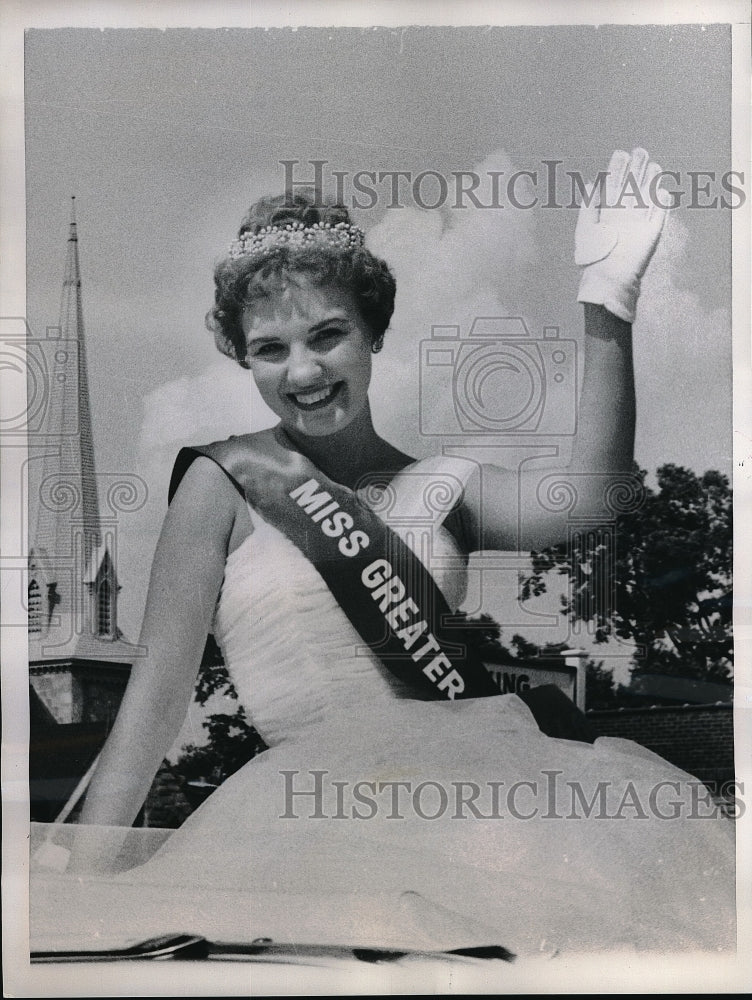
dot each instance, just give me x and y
(303, 369)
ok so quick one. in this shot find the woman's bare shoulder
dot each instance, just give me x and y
(207, 502)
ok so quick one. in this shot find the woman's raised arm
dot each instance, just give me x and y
(185, 579)
(617, 232)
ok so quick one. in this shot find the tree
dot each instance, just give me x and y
(480, 632)
(667, 571)
(600, 692)
(232, 740)
(484, 633)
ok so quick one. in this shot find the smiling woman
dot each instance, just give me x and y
(310, 354)
(329, 565)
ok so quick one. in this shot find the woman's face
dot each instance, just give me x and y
(310, 354)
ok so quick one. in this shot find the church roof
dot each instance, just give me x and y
(100, 560)
(49, 647)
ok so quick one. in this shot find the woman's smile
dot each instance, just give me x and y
(316, 399)
(310, 353)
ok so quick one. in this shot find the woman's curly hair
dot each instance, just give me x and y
(241, 281)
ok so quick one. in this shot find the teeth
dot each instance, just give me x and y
(313, 397)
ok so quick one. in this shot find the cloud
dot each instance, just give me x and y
(683, 366)
(450, 268)
(219, 401)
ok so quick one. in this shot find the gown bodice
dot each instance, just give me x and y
(294, 657)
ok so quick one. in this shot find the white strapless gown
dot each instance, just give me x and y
(523, 858)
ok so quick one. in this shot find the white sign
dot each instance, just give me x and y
(513, 679)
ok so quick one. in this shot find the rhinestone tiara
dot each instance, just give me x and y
(296, 236)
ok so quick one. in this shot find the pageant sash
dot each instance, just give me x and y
(383, 588)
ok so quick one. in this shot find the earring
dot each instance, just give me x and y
(377, 344)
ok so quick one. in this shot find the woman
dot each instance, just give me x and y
(391, 769)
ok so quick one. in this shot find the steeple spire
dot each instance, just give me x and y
(67, 539)
(72, 329)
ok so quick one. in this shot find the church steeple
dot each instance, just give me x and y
(71, 574)
(79, 660)
(72, 330)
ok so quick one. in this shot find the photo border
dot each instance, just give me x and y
(603, 974)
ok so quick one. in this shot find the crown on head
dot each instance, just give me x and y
(296, 236)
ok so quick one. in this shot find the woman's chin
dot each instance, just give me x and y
(321, 423)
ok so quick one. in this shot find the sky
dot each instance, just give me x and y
(166, 137)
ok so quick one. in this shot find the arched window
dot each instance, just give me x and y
(35, 607)
(104, 609)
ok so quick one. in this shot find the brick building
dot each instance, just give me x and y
(697, 738)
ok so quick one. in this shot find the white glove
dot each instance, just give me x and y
(614, 243)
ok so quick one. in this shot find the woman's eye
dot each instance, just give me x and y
(267, 351)
(328, 337)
